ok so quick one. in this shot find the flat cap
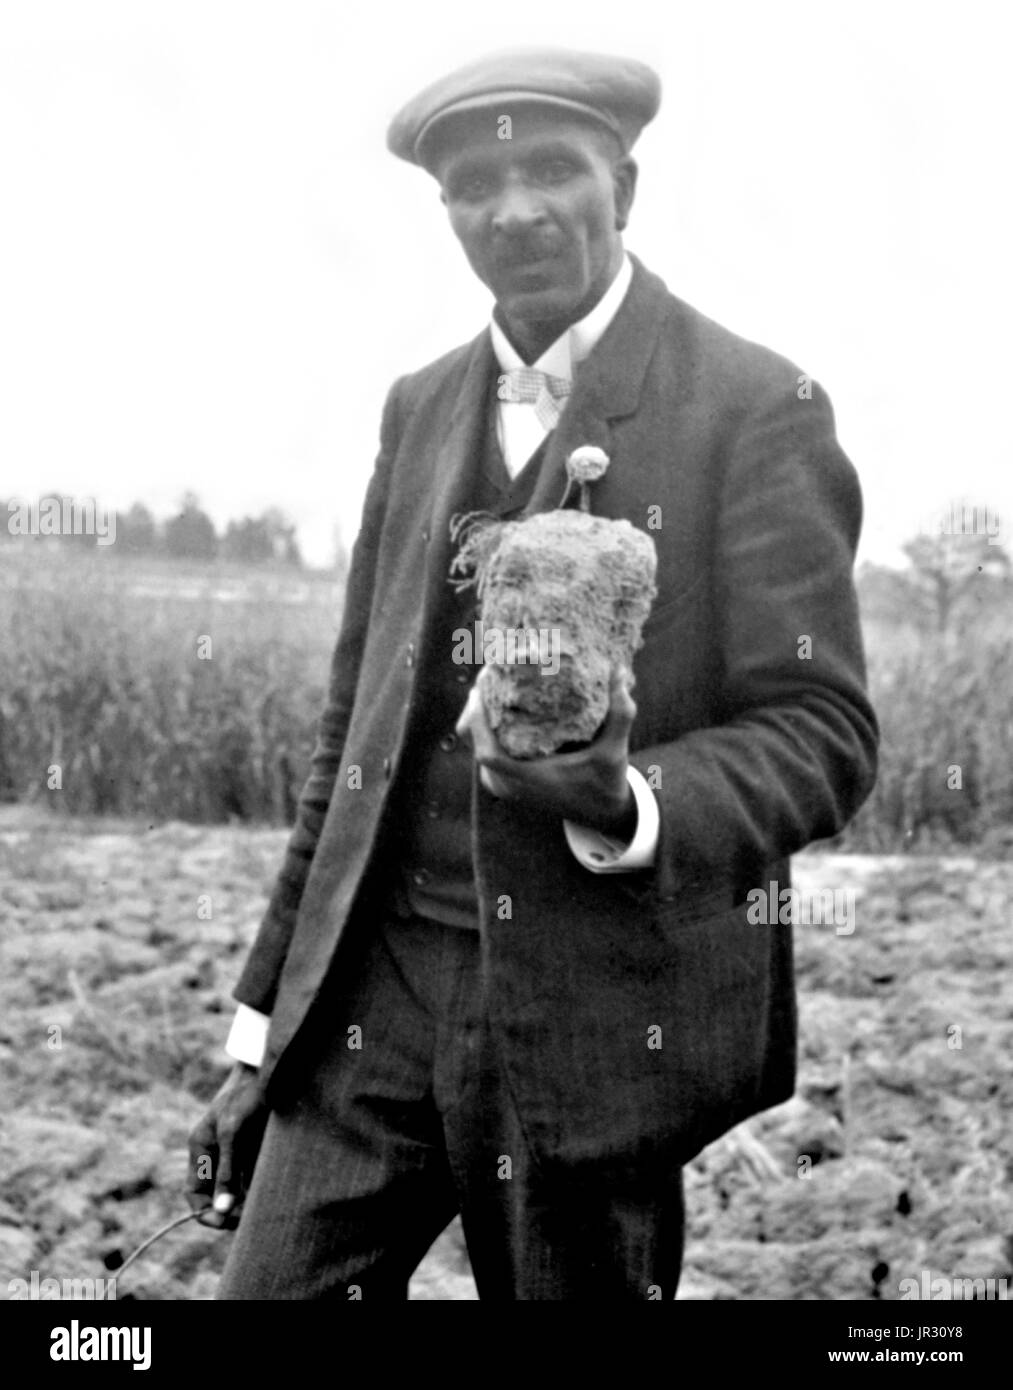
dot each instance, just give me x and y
(619, 93)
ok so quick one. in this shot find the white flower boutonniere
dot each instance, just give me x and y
(584, 467)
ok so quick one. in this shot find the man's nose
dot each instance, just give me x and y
(518, 207)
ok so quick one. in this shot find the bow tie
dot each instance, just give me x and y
(539, 389)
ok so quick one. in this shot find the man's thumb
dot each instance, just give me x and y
(620, 699)
(224, 1197)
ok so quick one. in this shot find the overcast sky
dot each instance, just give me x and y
(211, 270)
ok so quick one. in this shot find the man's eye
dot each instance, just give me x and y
(555, 170)
(471, 188)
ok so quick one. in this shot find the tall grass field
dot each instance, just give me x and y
(137, 689)
(161, 691)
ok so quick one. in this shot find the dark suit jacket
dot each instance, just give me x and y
(759, 750)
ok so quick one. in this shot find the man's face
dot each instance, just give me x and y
(537, 215)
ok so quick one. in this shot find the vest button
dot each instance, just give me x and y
(410, 655)
(421, 877)
(448, 742)
(463, 678)
(433, 810)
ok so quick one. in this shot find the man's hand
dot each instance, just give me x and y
(224, 1146)
(588, 787)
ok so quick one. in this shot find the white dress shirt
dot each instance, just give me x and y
(518, 428)
(520, 433)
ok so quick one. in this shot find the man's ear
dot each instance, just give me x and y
(624, 182)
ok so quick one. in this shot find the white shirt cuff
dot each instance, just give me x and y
(602, 855)
(248, 1036)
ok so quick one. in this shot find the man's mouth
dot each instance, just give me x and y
(532, 258)
(533, 276)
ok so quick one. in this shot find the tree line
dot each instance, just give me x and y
(188, 535)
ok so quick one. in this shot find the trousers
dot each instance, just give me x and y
(404, 1119)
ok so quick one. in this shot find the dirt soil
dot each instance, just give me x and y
(893, 1157)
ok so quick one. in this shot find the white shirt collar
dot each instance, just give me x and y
(571, 347)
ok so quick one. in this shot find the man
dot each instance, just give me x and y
(527, 990)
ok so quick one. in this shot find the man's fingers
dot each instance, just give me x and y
(620, 685)
(492, 783)
(203, 1150)
(471, 708)
(201, 1177)
(209, 1179)
(219, 1207)
(473, 724)
(221, 1212)
(622, 706)
(223, 1177)
(218, 1221)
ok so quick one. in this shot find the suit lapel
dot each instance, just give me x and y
(456, 456)
(607, 385)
